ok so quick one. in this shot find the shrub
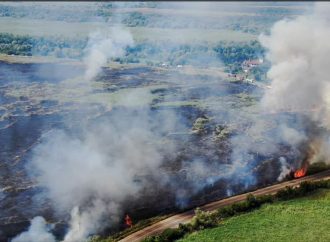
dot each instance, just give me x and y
(203, 220)
(241, 207)
(286, 193)
(170, 235)
(97, 238)
(306, 187)
(323, 184)
(252, 201)
(225, 212)
(186, 228)
(265, 199)
(303, 189)
(150, 239)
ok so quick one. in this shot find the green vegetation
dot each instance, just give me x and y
(230, 53)
(68, 12)
(225, 215)
(152, 53)
(38, 30)
(249, 18)
(56, 46)
(58, 12)
(186, 38)
(317, 167)
(303, 219)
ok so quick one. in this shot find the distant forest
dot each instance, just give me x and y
(254, 20)
(152, 53)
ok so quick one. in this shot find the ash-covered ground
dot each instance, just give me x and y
(206, 110)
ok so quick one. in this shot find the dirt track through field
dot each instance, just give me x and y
(175, 220)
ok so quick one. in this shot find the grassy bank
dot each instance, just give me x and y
(295, 211)
(303, 219)
(289, 214)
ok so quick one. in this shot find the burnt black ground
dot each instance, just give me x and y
(26, 121)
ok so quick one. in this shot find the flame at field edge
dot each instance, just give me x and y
(300, 172)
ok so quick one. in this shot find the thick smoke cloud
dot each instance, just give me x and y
(91, 173)
(74, 169)
(298, 50)
(84, 173)
(94, 174)
(299, 53)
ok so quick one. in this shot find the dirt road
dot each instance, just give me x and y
(175, 220)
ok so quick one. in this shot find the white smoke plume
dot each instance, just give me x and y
(291, 136)
(285, 169)
(92, 173)
(85, 222)
(94, 164)
(299, 52)
(102, 46)
(38, 232)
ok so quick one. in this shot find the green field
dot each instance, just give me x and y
(303, 219)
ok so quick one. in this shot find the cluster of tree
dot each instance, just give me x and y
(255, 24)
(116, 5)
(83, 13)
(256, 21)
(246, 24)
(45, 46)
(58, 13)
(134, 19)
(232, 54)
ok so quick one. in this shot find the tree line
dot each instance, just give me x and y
(232, 54)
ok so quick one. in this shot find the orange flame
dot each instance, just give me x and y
(128, 221)
(301, 172)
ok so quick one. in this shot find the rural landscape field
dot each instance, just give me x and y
(117, 118)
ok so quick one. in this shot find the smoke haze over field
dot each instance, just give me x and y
(91, 172)
(299, 53)
(85, 175)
